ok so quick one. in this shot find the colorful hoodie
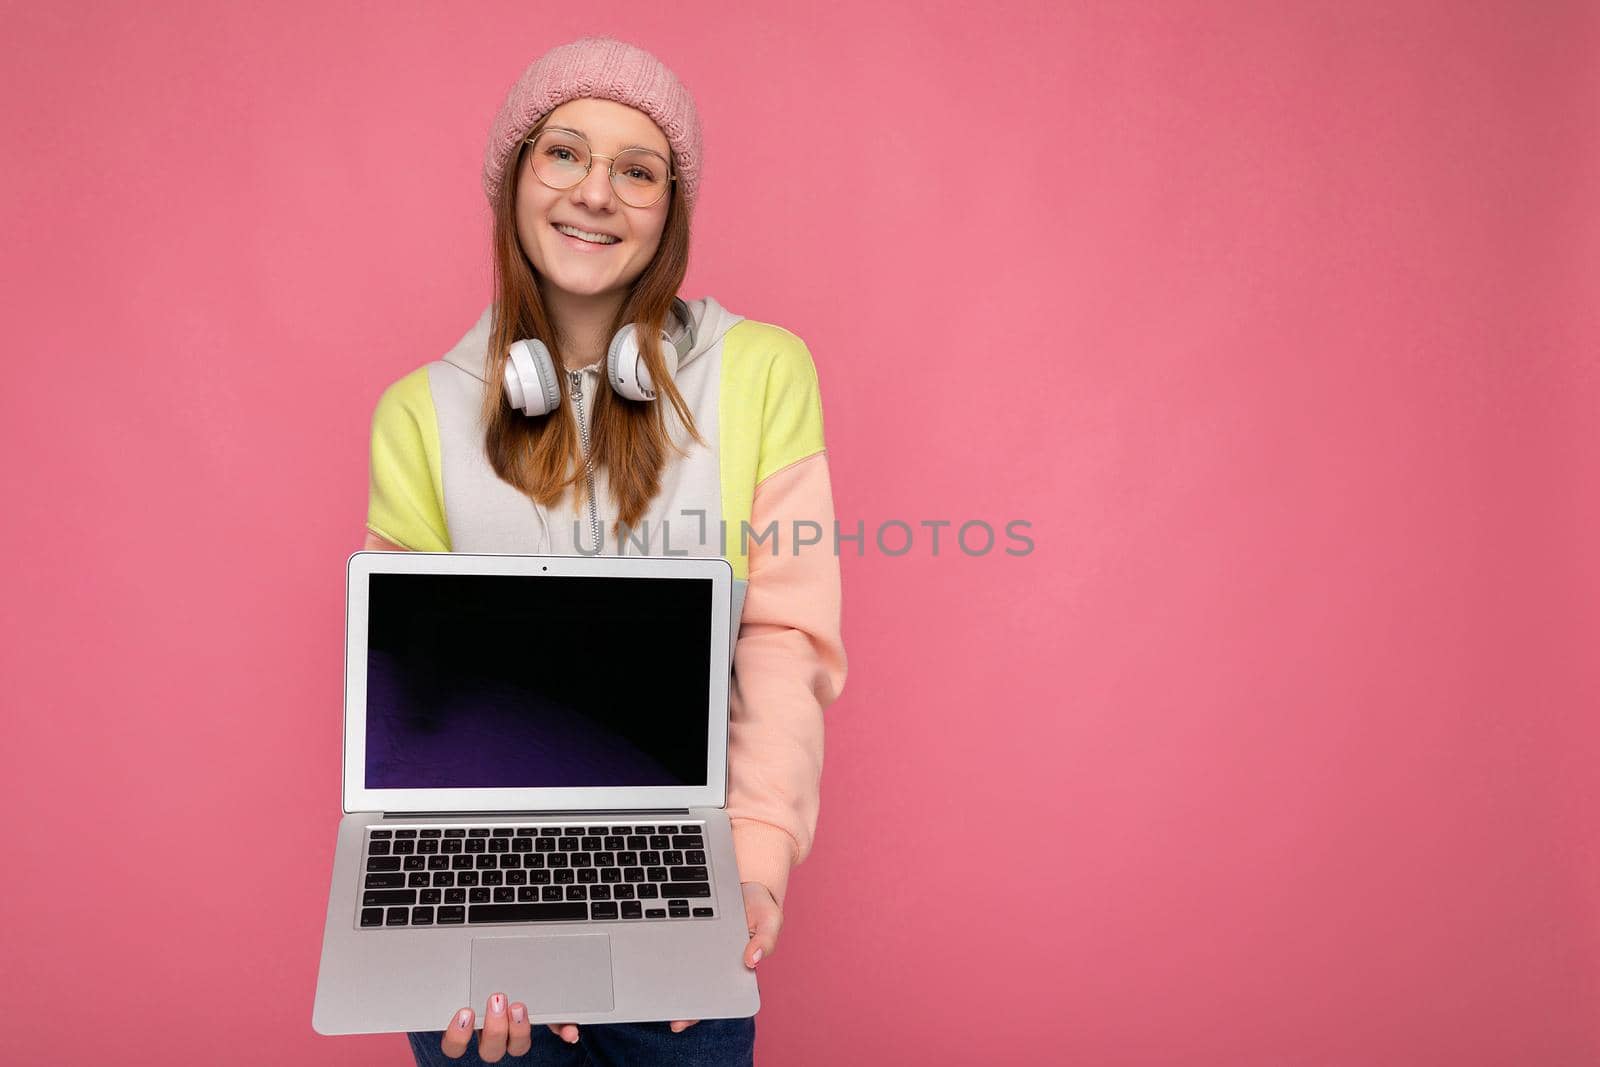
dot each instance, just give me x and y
(758, 495)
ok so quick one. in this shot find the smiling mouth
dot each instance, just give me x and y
(593, 244)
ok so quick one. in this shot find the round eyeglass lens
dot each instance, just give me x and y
(560, 160)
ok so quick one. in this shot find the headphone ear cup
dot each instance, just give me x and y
(625, 368)
(530, 383)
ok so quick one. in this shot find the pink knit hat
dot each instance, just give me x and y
(608, 69)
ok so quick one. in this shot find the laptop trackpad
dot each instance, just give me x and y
(570, 974)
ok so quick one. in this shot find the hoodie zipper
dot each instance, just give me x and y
(588, 464)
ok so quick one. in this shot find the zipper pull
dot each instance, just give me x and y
(577, 383)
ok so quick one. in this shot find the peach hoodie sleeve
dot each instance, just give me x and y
(789, 664)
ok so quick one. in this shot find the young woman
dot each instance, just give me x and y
(709, 442)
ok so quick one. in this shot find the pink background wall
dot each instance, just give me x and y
(1277, 321)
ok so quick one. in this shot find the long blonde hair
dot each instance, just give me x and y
(628, 439)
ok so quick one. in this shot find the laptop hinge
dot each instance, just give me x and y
(565, 814)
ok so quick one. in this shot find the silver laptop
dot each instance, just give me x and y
(535, 780)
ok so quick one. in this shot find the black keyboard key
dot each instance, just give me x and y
(517, 877)
(656, 913)
(538, 877)
(544, 844)
(613, 844)
(450, 916)
(596, 831)
(599, 892)
(656, 874)
(610, 874)
(466, 878)
(566, 876)
(431, 896)
(522, 844)
(581, 859)
(549, 893)
(549, 831)
(633, 874)
(434, 832)
(556, 859)
(638, 841)
(484, 861)
(438, 863)
(413, 863)
(491, 878)
(577, 892)
(504, 831)
(672, 858)
(632, 909)
(603, 910)
(527, 831)
(644, 829)
(377, 848)
(509, 860)
(575, 911)
(567, 844)
(592, 844)
(381, 835)
(649, 858)
(445, 879)
(527, 894)
(417, 880)
(690, 889)
(533, 861)
(689, 874)
(605, 859)
(628, 859)
(666, 829)
(405, 833)
(478, 831)
(588, 875)
(622, 891)
(477, 845)
(499, 844)
(455, 896)
(455, 831)
(479, 895)
(397, 917)
(620, 830)
(648, 892)
(678, 912)
(371, 916)
(505, 895)
(404, 848)
(692, 841)
(660, 841)
(427, 848)
(451, 846)
(461, 863)
(695, 856)
(702, 913)
(572, 831)
(384, 863)
(385, 881)
(421, 916)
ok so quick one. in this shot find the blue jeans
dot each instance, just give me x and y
(713, 1042)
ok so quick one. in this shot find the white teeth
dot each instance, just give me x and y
(585, 235)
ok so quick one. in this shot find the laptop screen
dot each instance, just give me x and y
(482, 681)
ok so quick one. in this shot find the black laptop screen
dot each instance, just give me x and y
(517, 681)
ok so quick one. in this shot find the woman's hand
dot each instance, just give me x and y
(502, 1033)
(764, 919)
(505, 1029)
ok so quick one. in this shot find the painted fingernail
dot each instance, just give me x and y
(516, 1013)
(573, 1040)
(497, 1004)
(757, 957)
(463, 1018)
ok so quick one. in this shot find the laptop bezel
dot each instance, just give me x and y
(356, 797)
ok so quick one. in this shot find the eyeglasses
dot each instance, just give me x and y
(561, 159)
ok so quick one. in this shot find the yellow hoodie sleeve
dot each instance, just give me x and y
(405, 501)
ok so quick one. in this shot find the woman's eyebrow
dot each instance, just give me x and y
(580, 133)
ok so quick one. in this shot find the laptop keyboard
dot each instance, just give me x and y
(478, 875)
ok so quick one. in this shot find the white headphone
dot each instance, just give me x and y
(532, 388)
